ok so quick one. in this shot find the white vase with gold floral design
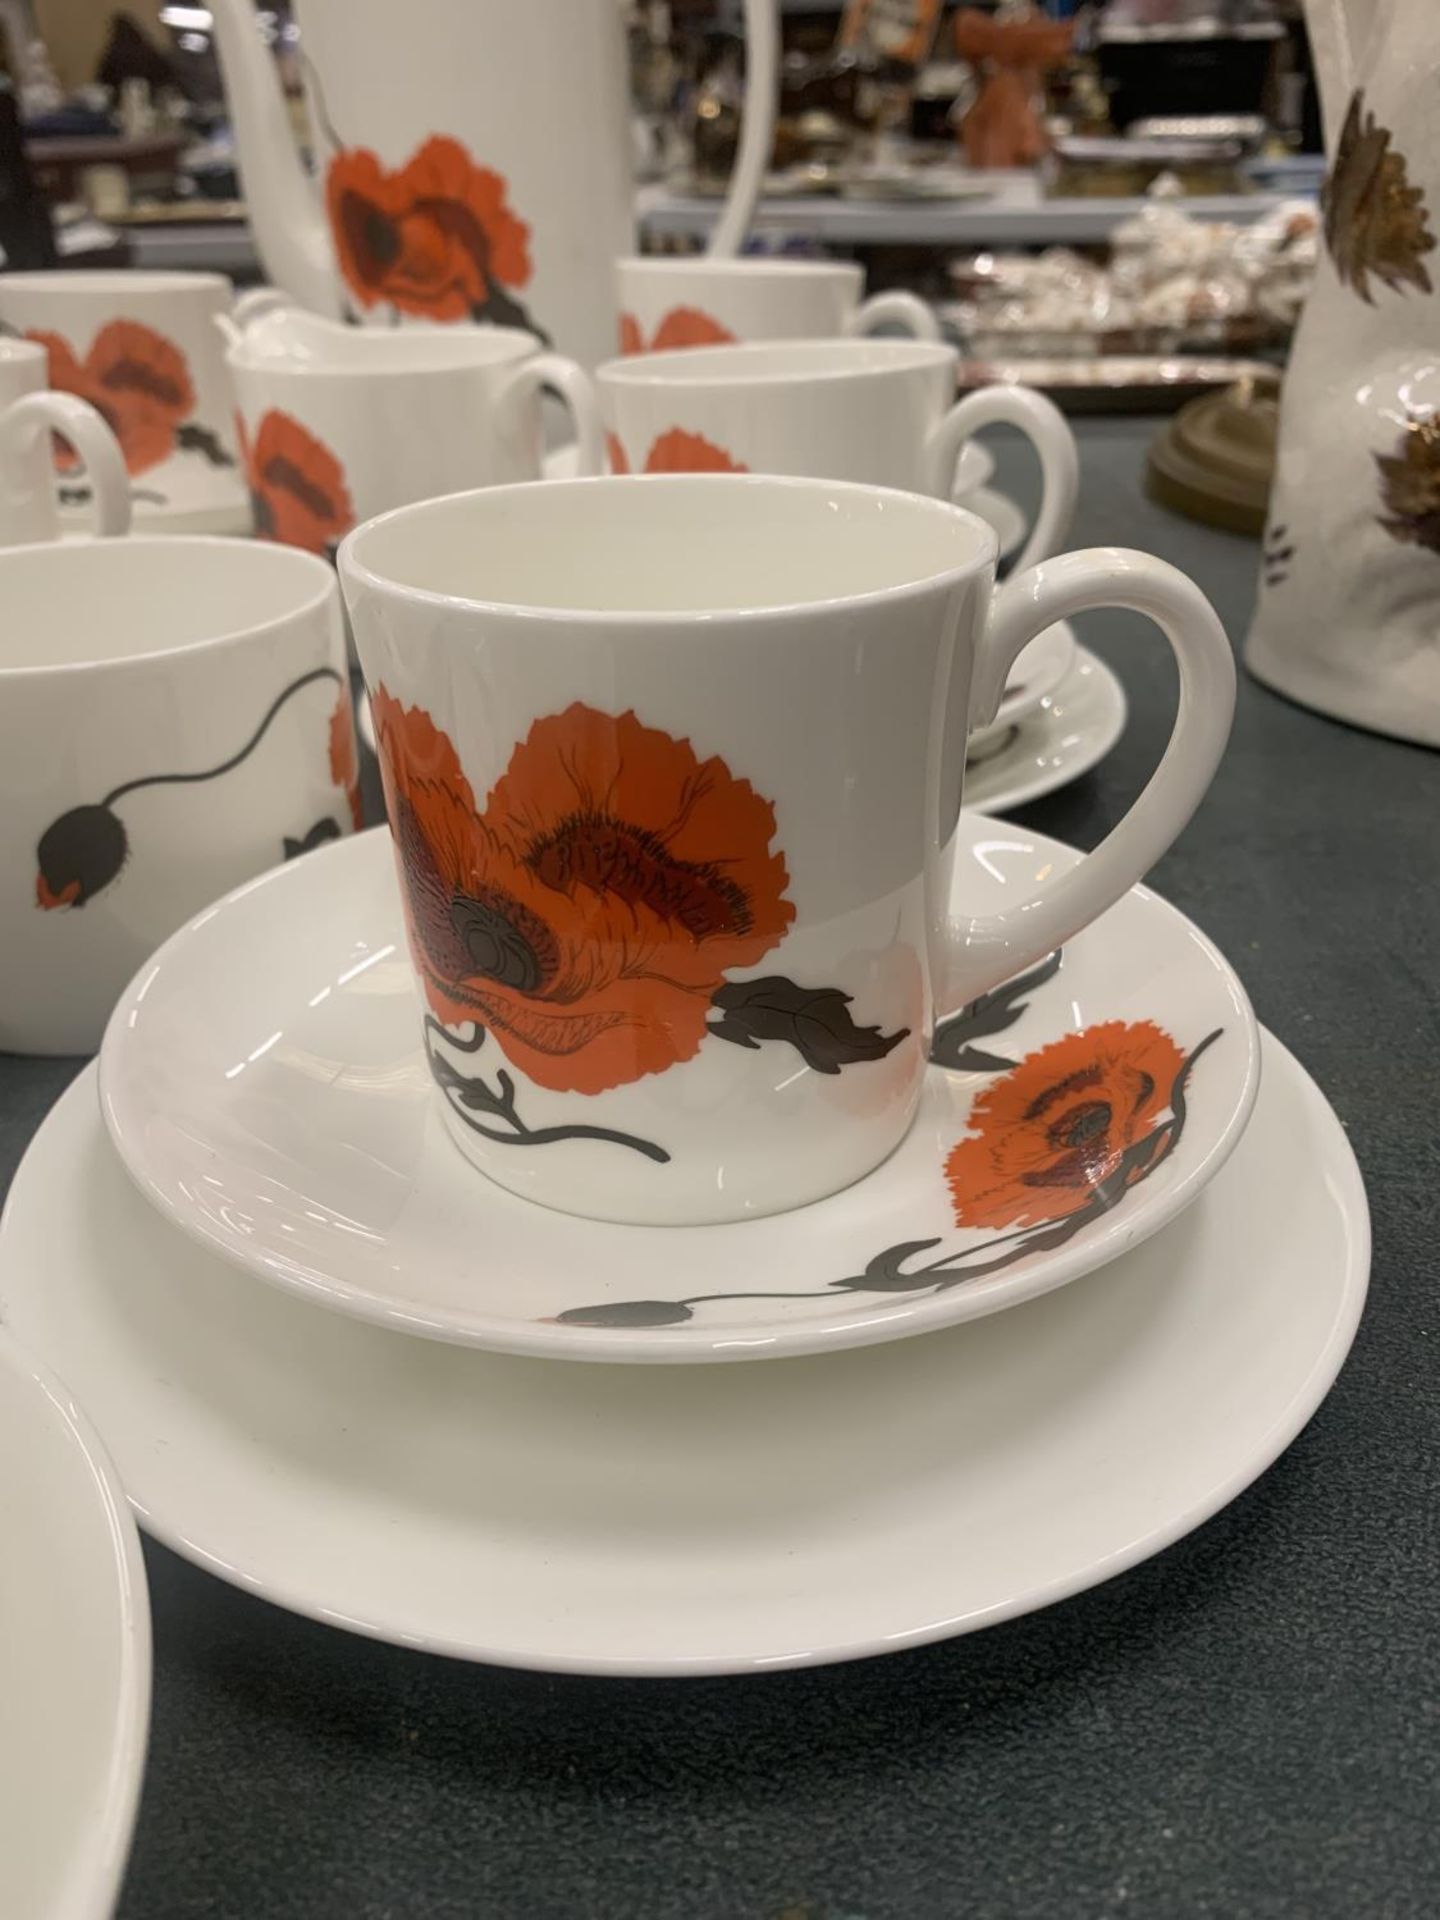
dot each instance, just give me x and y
(1349, 612)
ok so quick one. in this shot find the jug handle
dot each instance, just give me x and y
(757, 129)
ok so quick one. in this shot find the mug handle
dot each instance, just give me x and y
(981, 952)
(40, 414)
(245, 309)
(906, 310)
(573, 387)
(1044, 426)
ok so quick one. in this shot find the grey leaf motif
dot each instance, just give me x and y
(814, 1020)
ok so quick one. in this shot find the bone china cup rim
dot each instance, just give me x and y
(976, 545)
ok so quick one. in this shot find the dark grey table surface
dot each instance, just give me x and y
(1247, 1725)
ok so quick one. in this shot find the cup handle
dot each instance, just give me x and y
(905, 310)
(1044, 426)
(983, 951)
(553, 373)
(248, 307)
(38, 415)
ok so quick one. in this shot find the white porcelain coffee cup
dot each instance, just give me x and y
(672, 766)
(879, 411)
(340, 423)
(143, 350)
(174, 717)
(29, 509)
(704, 302)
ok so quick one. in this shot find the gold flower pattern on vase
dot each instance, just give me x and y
(1410, 484)
(1376, 222)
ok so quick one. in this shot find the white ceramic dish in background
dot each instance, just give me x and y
(151, 757)
(883, 412)
(1034, 677)
(1073, 731)
(74, 1653)
(692, 302)
(636, 1521)
(264, 1083)
(337, 424)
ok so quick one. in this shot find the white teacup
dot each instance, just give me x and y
(672, 765)
(174, 717)
(29, 509)
(143, 350)
(704, 302)
(879, 411)
(341, 423)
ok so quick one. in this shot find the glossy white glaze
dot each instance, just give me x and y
(691, 302)
(624, 1520)
(1072, 731)
(412, 414)
(74, 1649)
(265, 1088)
(1349, 593)
(537, 98)
(882, 411)
(193, 488)
(826, 645)
(29, 509)
(127, 667)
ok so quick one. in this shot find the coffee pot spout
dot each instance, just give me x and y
(285, 212)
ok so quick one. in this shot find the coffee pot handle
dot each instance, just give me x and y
(572, 386)
(1044, 426)
(41, 414)
(983, 951)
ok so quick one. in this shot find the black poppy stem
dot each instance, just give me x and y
(468, 1094)
(225, 766)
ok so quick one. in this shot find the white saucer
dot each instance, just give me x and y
(264, 1081)
(1039, 672)
(627, 1520)
(1073, 730)
(74, 1655)
(1001, 512)
(234, 518)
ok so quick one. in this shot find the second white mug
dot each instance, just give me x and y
(340, 423)
(703, 302)
(879, 411)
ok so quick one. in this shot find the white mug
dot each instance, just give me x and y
(667, 304)
(28, 416)
(340, 423)
(174, 717)
(881, 411)
(143, 350)
(672, 767)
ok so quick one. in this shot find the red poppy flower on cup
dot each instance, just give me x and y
(588, 914)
